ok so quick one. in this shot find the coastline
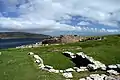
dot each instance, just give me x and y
(17, 42)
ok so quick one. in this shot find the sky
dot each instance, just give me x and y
(56, 17)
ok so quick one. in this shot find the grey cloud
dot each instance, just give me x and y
(42, 14)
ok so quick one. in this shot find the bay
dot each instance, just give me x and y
(11, 43)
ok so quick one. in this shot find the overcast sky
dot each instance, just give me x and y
(60, 16)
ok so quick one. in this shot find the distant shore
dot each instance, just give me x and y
(14, 42)
(20, 37)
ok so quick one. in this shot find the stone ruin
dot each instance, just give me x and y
(83, 63)
(100, 77)
(82, 60)
(70, 39)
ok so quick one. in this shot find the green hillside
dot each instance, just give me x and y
(21, 35)
(15, 64)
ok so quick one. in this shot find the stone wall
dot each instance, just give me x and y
(112, 70)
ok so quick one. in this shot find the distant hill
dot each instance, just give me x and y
(5, 35)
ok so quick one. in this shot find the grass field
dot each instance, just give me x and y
(15, 64)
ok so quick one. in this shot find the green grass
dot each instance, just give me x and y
(15, 64)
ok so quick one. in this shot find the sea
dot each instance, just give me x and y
(12, 43)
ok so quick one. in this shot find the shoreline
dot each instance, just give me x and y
(23, 38)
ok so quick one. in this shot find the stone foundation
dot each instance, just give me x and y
(83, 63)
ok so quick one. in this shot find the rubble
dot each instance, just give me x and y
(69, 70)
(48, 67)
(100, 77)
(88, 78)
(61, 71)
(112, 66)
(41, 66)
(52, 70)
(36, 57)
(112, 72)
(30, 53)
(100, 65)
(81, 69)
(118, 66)
(110, 78)
(92, 67)
(56, 71)
(82, 79)
(68, 75)
(37, 61)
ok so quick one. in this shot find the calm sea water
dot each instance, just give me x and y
(11, 43)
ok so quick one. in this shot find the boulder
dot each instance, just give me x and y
(61, 71)
(112, 72)
(94, 75)
(48, 67)
(83, 67)
(112, 66)
(30, 53)
(69, 70)
(52, 70)
(82, 79)
(92, 67)
(56, 71)
(103, 67)
(68, 75)
(67, 79)
(78, 70)
(37, 61)
(97, 78)
(88, 78)
(75, 68)
(73, 56)
(36, 57)
(45, 69)
(81, 70)
(118, 66)
(110, 78)
(100, 65)
(41, 66)
(103, 76)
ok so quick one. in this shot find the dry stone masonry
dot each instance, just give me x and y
(100, 77)
(83, 63)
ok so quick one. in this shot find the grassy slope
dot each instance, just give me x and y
(17, 65)
(21, 35)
